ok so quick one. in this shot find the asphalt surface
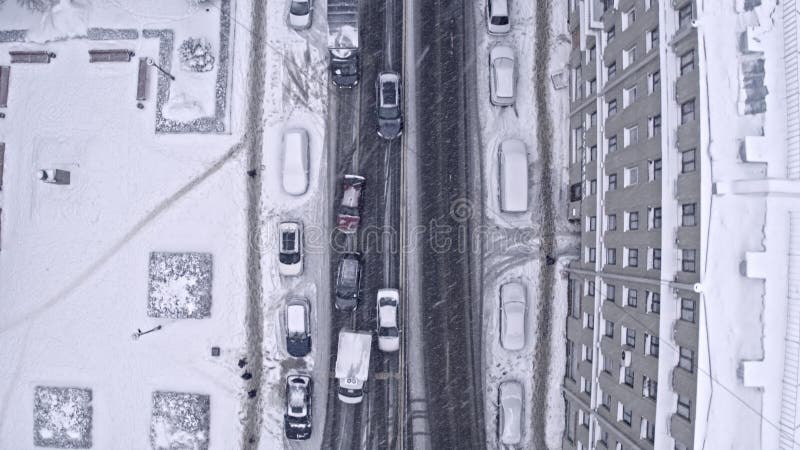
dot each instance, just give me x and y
(450, 208)
(373, 424)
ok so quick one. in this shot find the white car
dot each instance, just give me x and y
(300, 14)
(290, 254)
(513, 166)
(298, 326)
(497, 16)
(512, 316)
(388, 332)
(509, 426)
(502, 75)
(295, 161)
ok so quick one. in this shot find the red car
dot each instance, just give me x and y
(349, 211)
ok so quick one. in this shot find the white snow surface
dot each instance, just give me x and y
(352, 356)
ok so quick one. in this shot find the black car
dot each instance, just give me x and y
(297, 419)
(344, 67)
(348, 281)
(298, 328)
(390, 113)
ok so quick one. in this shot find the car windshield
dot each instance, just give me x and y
(389, 94)
(300, 8)
(288, 240)
(500, 20)
(388, 332)
(349, 272)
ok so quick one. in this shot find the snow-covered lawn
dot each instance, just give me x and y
(75, 259)
(180, 421)
(62, 417)
(180, 285)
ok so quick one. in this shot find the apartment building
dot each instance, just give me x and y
(630, 376)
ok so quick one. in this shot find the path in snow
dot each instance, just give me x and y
(253, 138)
(544, 135)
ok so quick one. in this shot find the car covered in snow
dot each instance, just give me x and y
(513, 165)
(348, 281)
(502, 75)
(298, 326)
(497, 16)
(349, 214)
(300, 14)
(509, 420)
(512, 315)
(388, 331)
(390, 113)
(295, 161)
(290, 253)
(297, 418)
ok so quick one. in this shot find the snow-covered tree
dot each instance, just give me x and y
(37, 5)
(196, 55)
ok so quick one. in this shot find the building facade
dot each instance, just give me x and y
(632, 334)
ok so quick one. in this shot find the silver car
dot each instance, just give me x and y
(512, 316)
(509, 421)
(502, 75)
(390, 113)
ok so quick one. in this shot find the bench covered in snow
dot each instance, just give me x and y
(5, 73)
(141, 84)
(31, 57)
(112, 55)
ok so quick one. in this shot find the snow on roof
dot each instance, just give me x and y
(513, 176)
(295, 319)
(352, 357)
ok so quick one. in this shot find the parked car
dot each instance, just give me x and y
(388, 332)
(390, 113)
(509, 426)
(295, 161)
(297, 419)
(348, 281)
(300, 14)
(502, 75)
(513, 166)
(298, 326)
(497, 16)
(349, 215)
(512, 315)
(290, 253)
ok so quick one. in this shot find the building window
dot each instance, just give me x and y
(654, 169)
(575, 192)
(649, 387)
(633, 298)
(653, 82)
(608, 362)
(687, 62)
(631, 176)
(628, 18)
(590, 288)
(592, 52)
(652, 39)
(612, 107)
(633, 259)
(592, 187)
(611, 70)
(653, 125)
(609, 329)
(612, 144)
(687, 111)
(590, 321)
(603, 439)
(686, 360)
(656, 258)
(626, 415)
(688, 215)
(610, 34)
(611, 292)
(570, 431)
(654, 346)
(611, 256)
(687, 309)
(587, 353)
(593, 86)
(687, 161)
(584, 418)
(688, 260)
(574, 301)
(685, 15)
(612, 182)
(628, 57)
(630, 337)
(593, 119)
(648, 4)
(592, 254)
(628, 376)
(569, 360)
(633, 220)
(654, 302)
(631, 136)
(593, 153)
(655, 218)
(628, 96)
(611, 220)
(648, 430)
(684, 407)
(592, 223)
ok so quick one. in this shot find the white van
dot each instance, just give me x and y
(513, 176)
(295, 161)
